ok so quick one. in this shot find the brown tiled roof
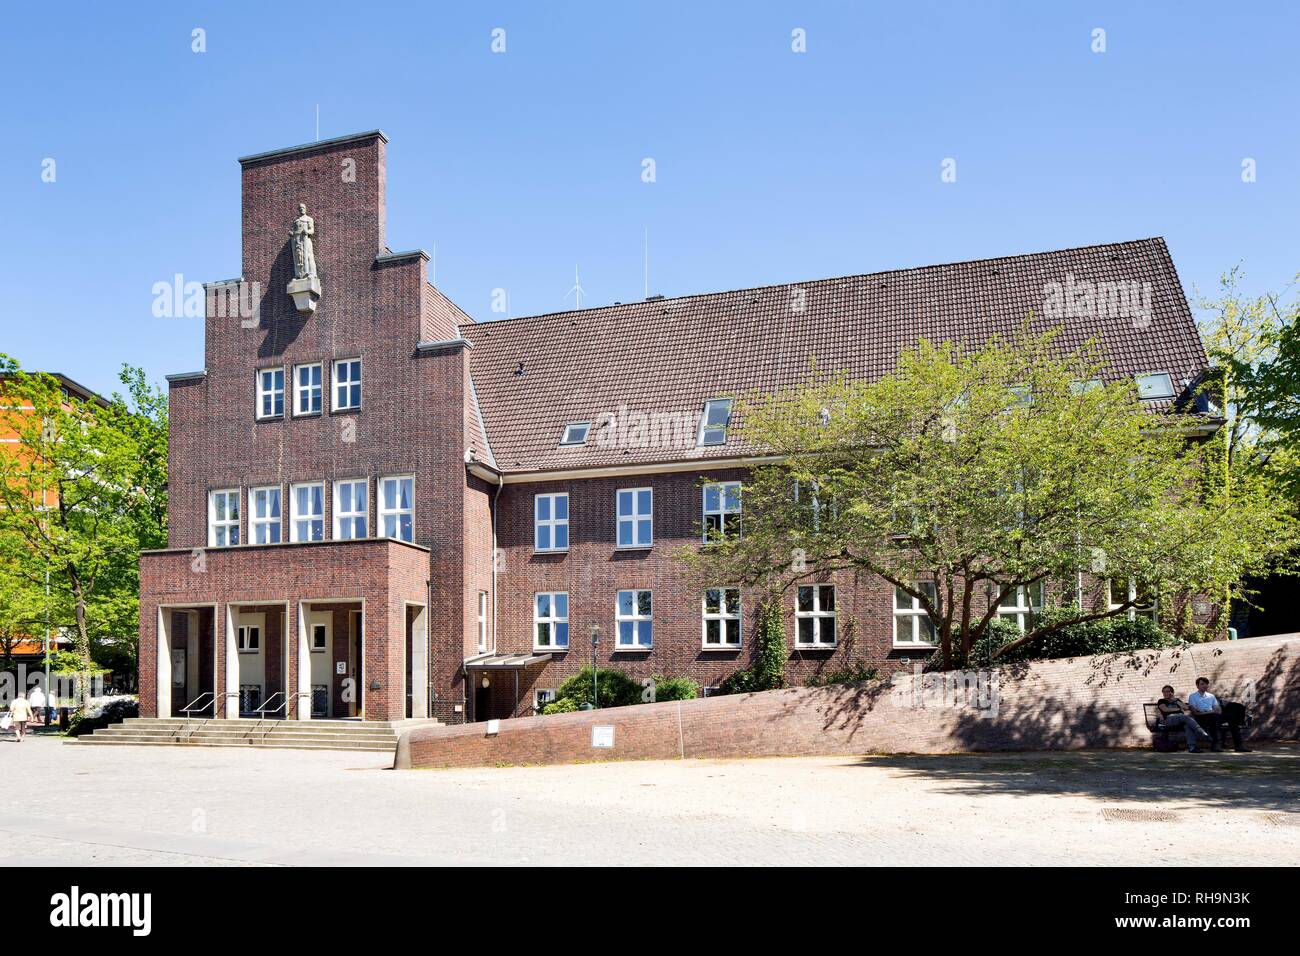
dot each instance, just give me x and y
(533, 375)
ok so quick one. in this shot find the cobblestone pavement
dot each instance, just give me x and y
(219, 806)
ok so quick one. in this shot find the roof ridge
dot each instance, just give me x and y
(1159, 240)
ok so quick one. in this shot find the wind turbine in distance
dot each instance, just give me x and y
(577, 291)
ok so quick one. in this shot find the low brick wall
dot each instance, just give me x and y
(1046, 705)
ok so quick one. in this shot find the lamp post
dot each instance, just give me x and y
(595, 688)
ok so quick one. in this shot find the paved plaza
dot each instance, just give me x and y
(221, 807)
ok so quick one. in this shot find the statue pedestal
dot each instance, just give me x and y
(305, 292)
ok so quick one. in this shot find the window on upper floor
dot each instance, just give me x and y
(721, 510)
(721, 619)
(347, 385)
(1155, 385)
(264, 514)
(575, 433)
(634, 621)
(635, 518)
(249, 639)
(814, 616)
(551, 522)
(714, 421)
(551, 621)
(307, 512)
(351, 509)
(482, 621)
(912, 624)
(223, 518)
(307, 389)
(397, 507)
(270, 392)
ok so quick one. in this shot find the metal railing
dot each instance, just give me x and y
(193, 706)
(261, 715)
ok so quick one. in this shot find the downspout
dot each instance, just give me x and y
(501, 484)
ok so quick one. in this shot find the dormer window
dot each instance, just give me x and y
(1087, 385)
(713, 424)
(1155, 385)
(575, 433)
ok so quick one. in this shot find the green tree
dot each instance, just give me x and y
(965, 475)
(101, 467)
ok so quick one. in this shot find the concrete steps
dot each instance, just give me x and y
(370, 735)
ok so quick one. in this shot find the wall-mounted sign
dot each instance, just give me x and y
(340, 667)
(602, 736)
(493, 727)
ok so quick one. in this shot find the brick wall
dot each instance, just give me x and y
(1048, 705)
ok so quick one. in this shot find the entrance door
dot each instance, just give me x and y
(179, 689)
(320, 642)
(482, 700)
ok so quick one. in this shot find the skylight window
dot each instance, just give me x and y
(713, 425)
(1155, 385)
(575, 433)
(1087, 385)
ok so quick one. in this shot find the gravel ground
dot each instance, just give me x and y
(219, 806)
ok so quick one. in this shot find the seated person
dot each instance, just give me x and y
(1173, 715)
(1212, 715)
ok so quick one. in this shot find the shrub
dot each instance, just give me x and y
(561, 705)
(676, 688)
(616, 689)
(1105, 636)
(768, 672)
(112, 712)
(856, 674)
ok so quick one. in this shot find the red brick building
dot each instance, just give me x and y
(380, 507)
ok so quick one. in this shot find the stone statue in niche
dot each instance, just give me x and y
(304, 256)
(305, 287)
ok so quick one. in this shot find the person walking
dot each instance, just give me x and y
(36, 697)
(20, 712)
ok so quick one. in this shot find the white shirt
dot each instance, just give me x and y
(36, 698)
(1202, 703)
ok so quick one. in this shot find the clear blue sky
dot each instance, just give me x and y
(771, 166)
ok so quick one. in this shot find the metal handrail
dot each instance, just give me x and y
(267, 706)
(194, 704)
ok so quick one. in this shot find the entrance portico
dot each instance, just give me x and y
(355, 646)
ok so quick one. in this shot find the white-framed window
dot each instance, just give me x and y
(551, 621)
(912, 625)
(249, 638)
(551, 522)
(347, 384)
(270, 392)
(307, 512)
(575, 433)
(634, 620)
(814, 613)
(721, 510)
(808, 499)
(264, 514)
(223, 518)
(307, 389)
(351, 509)
(1023, 604)
(635, 517)
(721, 610)
(319, 635)
(397, 507)
(542, 696)
(1155, 385)
(713, 423)
(1120, 591)
(482, 621)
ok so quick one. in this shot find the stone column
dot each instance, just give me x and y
(419, 663)
(163, 671)
(304, 665)
(225, 623)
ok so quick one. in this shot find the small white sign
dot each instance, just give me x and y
(602, 736)
(494, 727)
(340, 667)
